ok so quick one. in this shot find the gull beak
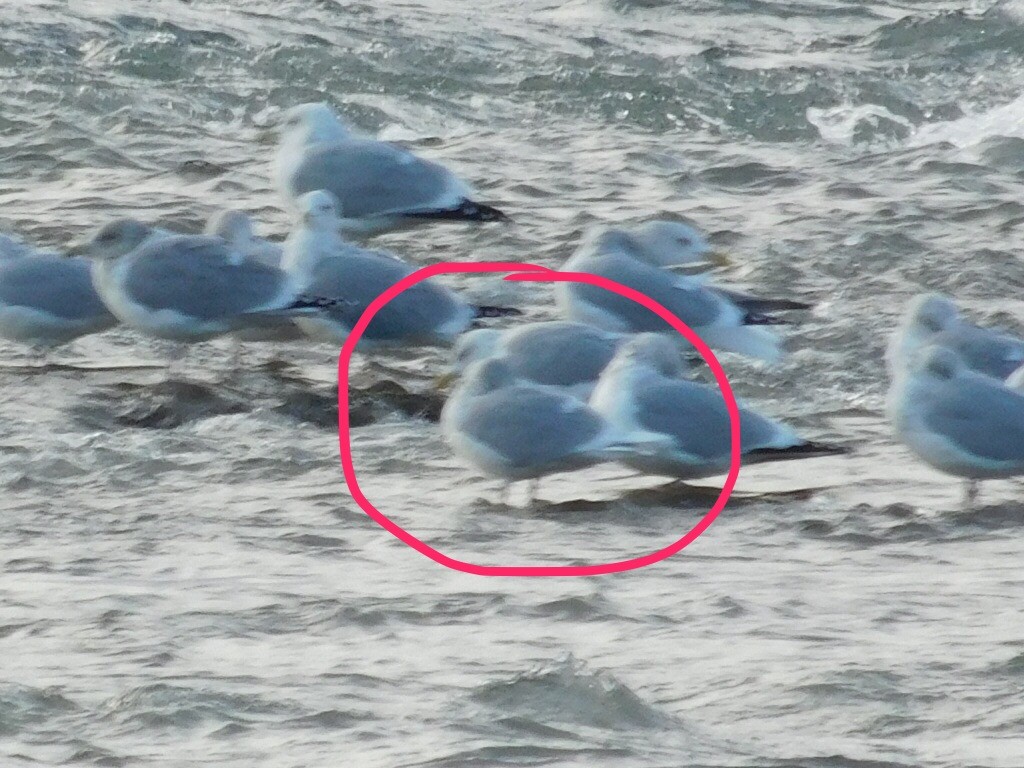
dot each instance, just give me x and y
(692, 269)
(267, 136)
(444, 380)
(719, 258)
(77, 248)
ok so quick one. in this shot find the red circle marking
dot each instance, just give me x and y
(531, 273)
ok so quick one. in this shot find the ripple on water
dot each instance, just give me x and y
(568, 693)
(180, 706)
(22, 706)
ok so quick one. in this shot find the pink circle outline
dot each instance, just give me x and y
(525, 272)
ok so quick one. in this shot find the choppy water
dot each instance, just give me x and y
(185, 579)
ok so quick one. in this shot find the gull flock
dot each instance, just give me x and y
(608, 382)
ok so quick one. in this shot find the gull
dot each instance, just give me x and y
(641, 391)
(326, 265)
(557, 353)
(515, 431)
(47, 300)
(672, 244)
(237, 229)
(956, 420)
(933, 318)
(379, 186)
(721, 320)
(188, 288)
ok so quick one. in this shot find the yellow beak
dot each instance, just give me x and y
(76, 249)
(719, 258)
(444, 380)
(267, 136)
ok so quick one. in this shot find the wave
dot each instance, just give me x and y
(568, 693)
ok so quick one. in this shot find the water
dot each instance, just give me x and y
(185, 578)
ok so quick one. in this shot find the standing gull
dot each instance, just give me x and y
(958, 421)
(721, 321)
(933, 318)
(379, 186)
(641, 391)
(326, 265)
(515, 431)
(188, 288)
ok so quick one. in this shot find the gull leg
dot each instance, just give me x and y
(971, 491)
(236, 360)
(41, 356)
(374, 364)
(177, 355)
(531, 491)
(374, 355)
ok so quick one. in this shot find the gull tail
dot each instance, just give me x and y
(641, 443)
(759, 318)
(761, 306)
(305, 302)
(750, 340)
(758, 305)
(804, 450)
(466, 210)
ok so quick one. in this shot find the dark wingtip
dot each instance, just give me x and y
(787, 305)
(807, 449)
(758, 318)
(486, 213)
(305, 301)
(467, 210)
(484, 311)
(312, 302)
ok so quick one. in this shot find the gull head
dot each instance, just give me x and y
(487, 376)
(617, 241)
(319, 210)
(673, 243)
(931, 313)
(233, 226)
(927, 315)
(474, 346)
(654, 352)
(312, 123)
(938, 363)
(117, 238)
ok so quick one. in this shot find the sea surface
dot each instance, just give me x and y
(184, 577)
